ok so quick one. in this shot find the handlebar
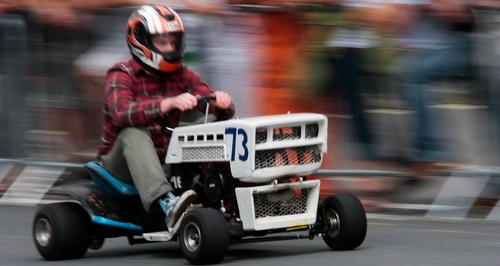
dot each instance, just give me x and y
(204, 98)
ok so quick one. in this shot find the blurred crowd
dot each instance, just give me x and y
(348, 59)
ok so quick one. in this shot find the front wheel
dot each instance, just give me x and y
(61, 231)
(204, 236)
(346, 219)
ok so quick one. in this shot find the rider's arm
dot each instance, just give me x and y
(125, 110)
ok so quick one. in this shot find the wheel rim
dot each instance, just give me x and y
(332, 218)
(43, 232)
(192, 237)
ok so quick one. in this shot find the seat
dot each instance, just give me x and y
(110, 184)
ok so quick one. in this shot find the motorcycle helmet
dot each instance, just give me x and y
(147, 21)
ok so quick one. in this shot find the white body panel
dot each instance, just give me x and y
(251, 219)
(243, 143)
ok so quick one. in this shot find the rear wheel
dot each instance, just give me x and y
(204, 236)
(61, 231)
(346, 218)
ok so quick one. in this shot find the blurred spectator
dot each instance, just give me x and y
(357, 72)
(488, 55)
(57, 32)
(53, 37)
(13, 61)
(436, 46)
(351, 45)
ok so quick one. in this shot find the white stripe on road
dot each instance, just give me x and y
(495, 213)
(460, 192)
(31, 185)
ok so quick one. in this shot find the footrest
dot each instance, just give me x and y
(158, 236)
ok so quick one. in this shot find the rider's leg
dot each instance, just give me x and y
(133, 159)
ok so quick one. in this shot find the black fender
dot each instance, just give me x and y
(106, 210)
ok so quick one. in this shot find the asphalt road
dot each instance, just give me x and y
(391, 240)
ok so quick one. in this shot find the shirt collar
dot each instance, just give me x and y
(138, 68)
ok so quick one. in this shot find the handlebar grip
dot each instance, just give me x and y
(206, 98)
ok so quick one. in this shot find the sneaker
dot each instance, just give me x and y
(174, 207)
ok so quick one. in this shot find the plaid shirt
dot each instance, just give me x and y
(132, 98)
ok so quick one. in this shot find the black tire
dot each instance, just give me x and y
(61, 231)
(347, 219)
(96, 242)
(204, 236)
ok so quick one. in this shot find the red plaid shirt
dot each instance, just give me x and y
(132, 98)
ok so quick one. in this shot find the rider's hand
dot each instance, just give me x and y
(182, 102)
(222, 99)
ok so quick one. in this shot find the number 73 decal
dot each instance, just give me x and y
(242, 143)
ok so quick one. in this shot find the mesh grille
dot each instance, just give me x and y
(287, 156)
(203, 153)
(260, 135)
(312, 131)
(280, 203)
(286, 133)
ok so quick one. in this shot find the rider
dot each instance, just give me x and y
(154, 85)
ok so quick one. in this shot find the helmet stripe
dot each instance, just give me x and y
(154, 22)
(162, 10)
(146, 18)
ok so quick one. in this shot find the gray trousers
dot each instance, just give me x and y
(133, 159)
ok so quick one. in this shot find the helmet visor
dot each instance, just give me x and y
(169, 45)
